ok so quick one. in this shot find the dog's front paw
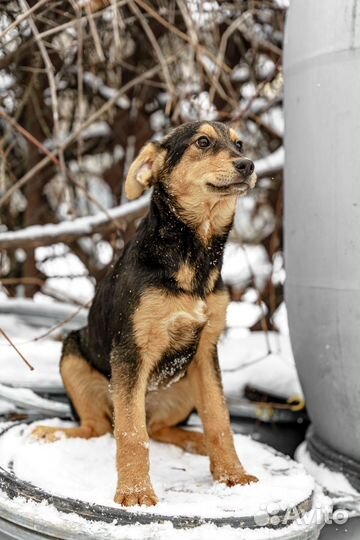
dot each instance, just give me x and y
(134, 496)
(234, 477)
(46, 433)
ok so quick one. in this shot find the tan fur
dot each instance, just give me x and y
(132, 444)
(210, 403)
(163, 320)
(213, 277)
(167, 407)
(233, 135)
(208, 130)
(205, 210)
(185, 277)
(89, 391)
(202, 209)
(144, 170)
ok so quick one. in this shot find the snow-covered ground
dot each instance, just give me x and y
(182, 481)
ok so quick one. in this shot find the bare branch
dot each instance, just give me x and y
(71, 138)
(22, 17)
(16, 349)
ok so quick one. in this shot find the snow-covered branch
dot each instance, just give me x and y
(45, 235)
(271, 164)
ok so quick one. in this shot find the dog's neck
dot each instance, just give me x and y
(183, 259)
(208, 219)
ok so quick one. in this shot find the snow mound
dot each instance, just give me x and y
(181, 480)
(334, 483)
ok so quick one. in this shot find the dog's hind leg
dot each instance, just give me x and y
(168, 407)
(190, 441)
(90, 396)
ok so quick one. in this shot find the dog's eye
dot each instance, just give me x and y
(239, 146)
(203, 142)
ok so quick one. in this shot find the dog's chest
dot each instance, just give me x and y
(168, 330)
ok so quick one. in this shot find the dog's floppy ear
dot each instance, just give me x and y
(144, 170)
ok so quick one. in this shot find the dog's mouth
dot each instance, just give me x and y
(236, 186)
(240, 186)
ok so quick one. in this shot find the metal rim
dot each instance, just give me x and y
(321, 452)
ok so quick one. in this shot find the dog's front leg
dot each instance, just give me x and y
(211, 406)
(132, 440)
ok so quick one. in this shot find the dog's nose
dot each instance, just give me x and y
(245, 167)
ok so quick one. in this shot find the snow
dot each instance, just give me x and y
(77, 227)
(242, 314)
(274, 118)
(44, 355)
(6, 81)
(253, 222)
(240, 73)
(77, 527)
(181, 480)
(199, 107)
(284, 4)
(22, 397)
(97, 84)
(245, 360)
(205, 13)
(243, 262)
(67, 275)
(270, 164)
(265, 67)
(280, 319)
(335, 483)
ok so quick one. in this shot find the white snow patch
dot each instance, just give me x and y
(271, 163)
(244, 359)
(242, 314)
(243, 262)
(335, 483)
(79, 226)
(280, 319)
(181, 480)
(240, 73)
(44, 355)
(199, 107)
(23, 397)
(97, 84)
(71, 524)
(205, 14)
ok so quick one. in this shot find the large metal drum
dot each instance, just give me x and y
(322, 218)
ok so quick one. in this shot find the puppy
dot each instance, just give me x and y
(157, 316)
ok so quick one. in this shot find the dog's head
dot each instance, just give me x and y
(197, 162)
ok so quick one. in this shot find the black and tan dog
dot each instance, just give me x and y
(156, 318)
